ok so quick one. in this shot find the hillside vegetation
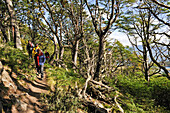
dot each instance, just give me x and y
(71, 56)
(130, 93)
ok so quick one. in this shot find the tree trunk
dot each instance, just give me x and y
(152, 58)
(100, 57)
(9, 36)
(61, 53)
(55, 53)
(61, 45)
(145, 63)
(14, 27)
(102, 31)
(75, 52)
(17, 38)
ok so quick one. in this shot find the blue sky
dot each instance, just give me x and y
(121, 37)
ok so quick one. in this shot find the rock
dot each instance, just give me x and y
(21, 106)
(14, 109)
(1, 68)
(14, 75)
(7, 81)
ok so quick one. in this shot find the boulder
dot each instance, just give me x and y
(7, 81)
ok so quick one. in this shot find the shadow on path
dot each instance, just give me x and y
(42, 84)
(21, 88)
(38, 86)
(37, 95)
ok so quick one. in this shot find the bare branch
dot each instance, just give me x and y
(161, 4)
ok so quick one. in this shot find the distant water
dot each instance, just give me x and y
(168, 68)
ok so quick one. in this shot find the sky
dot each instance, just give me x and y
(121, 37)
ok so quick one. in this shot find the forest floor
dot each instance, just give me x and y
(28, 95)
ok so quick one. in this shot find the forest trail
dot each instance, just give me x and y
(35, 88)
(32, 97)
(22, 91)
(27, 96)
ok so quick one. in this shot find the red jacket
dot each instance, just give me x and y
(39, 59)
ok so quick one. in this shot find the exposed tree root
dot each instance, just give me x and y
(97, 99)
(85, 87)
(118, 105)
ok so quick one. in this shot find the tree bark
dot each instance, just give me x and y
(61, 53)
(55, 50)
(17, 37)
(75, 52)
(9, 36)
(145, 63)
(100, 56)
(14, 27)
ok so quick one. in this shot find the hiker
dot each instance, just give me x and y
(39, 61)
(47, 55)
(34, 51)
(30, 47)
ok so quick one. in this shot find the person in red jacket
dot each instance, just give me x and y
(39, 61)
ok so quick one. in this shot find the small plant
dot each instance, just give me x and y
(61, 99)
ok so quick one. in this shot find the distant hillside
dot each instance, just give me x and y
(167, 63)
(153, 52)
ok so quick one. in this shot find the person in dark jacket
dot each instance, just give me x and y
(39, 61)
(30, 47)
(47, 55)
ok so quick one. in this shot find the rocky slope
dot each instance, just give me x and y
(20, 95)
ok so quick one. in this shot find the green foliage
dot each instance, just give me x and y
(68, 58)
(161, 91)
(24, 45)
(62, 100)
(129, 105)
(63, 97)
(151, 97)
(15, 59)
(63, 77)
(124, 56)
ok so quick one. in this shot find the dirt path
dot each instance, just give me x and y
(30, 92)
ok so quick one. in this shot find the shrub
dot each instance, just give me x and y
(61, 100)
(154, 96)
